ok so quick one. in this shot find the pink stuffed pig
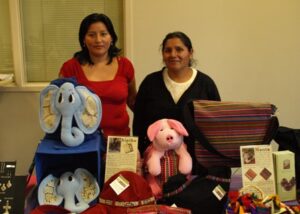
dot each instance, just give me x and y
(166, 135)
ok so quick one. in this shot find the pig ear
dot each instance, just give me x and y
(178, 127)
(153, 129)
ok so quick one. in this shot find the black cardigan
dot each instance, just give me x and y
(154, 102)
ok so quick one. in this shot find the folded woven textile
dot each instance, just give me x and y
(221, 127)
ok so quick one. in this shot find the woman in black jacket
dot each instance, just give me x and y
(163, 94)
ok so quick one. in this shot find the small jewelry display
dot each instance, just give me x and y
(7, 176)
(8, 184)
(6, 207)
(5, 186)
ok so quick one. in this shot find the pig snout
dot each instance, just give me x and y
(169, 138)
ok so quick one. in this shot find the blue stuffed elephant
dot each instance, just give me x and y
(72, 190)
(61, 104)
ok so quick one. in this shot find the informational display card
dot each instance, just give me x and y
(257, 168)
(122, 153)
(285, 175)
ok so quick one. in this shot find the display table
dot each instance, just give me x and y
(31, 202)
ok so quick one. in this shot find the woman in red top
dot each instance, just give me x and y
(99, 67)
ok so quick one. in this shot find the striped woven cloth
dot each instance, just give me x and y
(169, 166)
(229, 125)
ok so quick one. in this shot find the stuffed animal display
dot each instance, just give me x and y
(166, 136)
(63, 101)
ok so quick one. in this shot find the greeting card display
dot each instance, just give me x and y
(257, 168)
(284, 165)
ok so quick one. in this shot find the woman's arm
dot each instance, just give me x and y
(131, 94)
(139, 126)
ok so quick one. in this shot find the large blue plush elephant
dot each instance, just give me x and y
(73, 191)
(60, 104)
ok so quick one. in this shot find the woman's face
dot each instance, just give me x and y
(176, 55)
(97, 40)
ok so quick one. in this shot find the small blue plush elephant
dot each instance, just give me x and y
(74, 190)
(64, 100)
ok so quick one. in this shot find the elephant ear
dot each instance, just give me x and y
(89, 115)
(49, 116)
(47, 194)
(88, 186)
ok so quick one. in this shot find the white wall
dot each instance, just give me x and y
(250, 48)
(20, 130)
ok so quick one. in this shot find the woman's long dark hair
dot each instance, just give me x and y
(83, 55)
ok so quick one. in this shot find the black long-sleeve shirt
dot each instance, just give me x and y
(154, 102)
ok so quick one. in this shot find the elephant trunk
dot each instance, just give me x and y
(70, 136)
(69, 204)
